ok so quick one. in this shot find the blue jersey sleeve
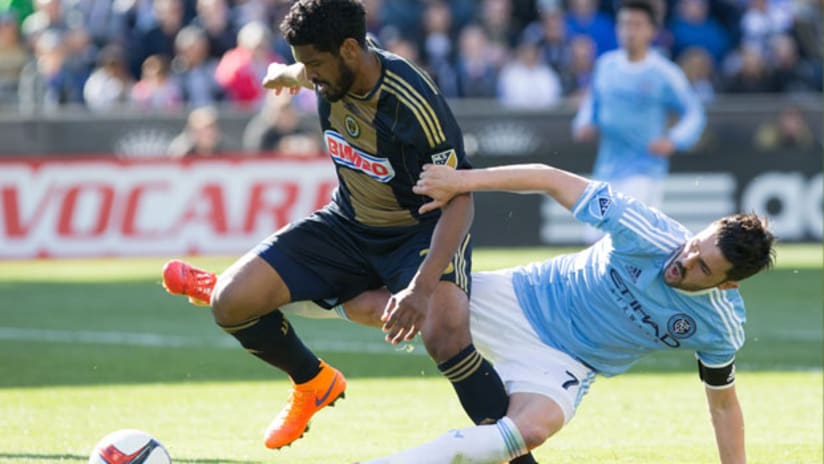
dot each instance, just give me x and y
(716, 358)
(680, 98)
(633, 226)
(729, 316)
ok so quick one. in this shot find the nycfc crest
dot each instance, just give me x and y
(681, 326)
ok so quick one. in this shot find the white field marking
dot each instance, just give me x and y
(184, 341)
(335, 346)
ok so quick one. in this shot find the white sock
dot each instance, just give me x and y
(491, 444)
(310, 310)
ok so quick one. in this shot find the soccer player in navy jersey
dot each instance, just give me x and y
(383, 119)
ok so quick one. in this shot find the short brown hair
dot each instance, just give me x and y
(653, 8)
(746, 242)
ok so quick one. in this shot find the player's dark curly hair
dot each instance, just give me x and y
(325, 24)
(746, 242)
(653, 8)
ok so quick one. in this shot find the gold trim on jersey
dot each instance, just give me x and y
(410, 97)
(436, 123)
(457, 264)
(421, 73)
(414, 111)
(461, 278)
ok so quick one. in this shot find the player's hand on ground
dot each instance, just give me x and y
(404, 315)
(280, 76)
(440, 183)
(662, 147)
(585, 134)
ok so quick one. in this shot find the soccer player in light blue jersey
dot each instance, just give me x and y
(634, 90)
(551, 327)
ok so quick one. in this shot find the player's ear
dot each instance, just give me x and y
(730, 284)
(349, 49)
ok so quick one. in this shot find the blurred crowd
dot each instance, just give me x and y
(186, 54)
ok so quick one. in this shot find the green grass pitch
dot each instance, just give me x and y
(91, 346)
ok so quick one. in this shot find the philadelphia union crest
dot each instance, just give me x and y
(681, 326)
(352, 127)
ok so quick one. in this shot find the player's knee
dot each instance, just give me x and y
(534, 435)
(367, 308)
(445, 333)
(442, 344)
(221, 303)
(536, 429)
(228, 305)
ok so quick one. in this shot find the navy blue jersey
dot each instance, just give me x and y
(380, 142)
(371, 235)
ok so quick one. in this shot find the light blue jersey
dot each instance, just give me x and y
(608, 305)
(629, 102)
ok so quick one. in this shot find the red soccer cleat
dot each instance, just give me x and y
(180, 278)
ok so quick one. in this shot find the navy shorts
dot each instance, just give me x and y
(330, 259)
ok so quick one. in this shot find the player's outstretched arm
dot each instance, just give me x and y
(441, 183)
(728, 422)
(281, 76)
(405, 311)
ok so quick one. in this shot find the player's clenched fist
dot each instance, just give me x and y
(280, 76)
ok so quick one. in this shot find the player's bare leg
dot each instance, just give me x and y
(445, 331)
(367, 308)
(247, 289)
(182, 278)
(242, 299)
(537, 417)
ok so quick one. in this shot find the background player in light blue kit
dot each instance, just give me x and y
(634, 90)
(550, 327)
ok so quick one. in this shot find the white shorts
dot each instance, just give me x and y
(647, 190)
(505, 337)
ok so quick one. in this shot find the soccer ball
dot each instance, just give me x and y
(129, 447)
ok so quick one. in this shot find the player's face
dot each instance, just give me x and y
(635, 30)
(329, 72)
(699, 265)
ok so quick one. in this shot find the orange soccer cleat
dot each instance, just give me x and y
(304, 401)
(181, 278)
